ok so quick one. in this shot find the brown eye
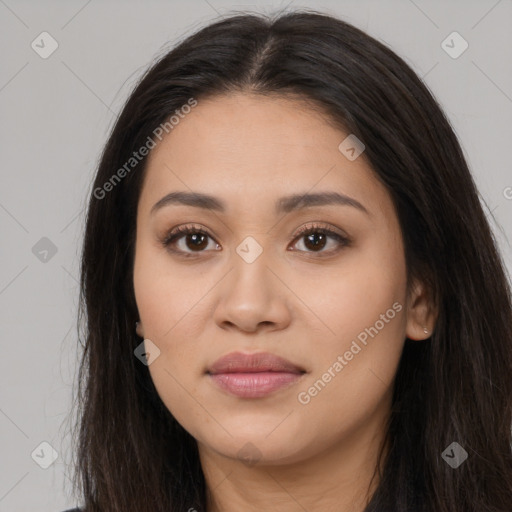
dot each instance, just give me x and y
(192, 240)
(316, 239)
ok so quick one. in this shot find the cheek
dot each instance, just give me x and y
(163, 293)
(363, 305)
(353, 297)
(351, 383)
(168, 308)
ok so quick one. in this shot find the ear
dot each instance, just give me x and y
(138, 329)
(421, 312)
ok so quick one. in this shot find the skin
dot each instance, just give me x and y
(304, 305)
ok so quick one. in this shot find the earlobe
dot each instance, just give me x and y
(138, 329)
(418, 334)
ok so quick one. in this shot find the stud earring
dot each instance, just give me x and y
(425, 330)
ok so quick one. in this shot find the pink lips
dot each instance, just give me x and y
(253, 375)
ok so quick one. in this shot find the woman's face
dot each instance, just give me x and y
(336, 309)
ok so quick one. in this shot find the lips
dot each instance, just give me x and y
(253, 375)
(237, 362)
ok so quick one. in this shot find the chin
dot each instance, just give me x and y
(257, 444)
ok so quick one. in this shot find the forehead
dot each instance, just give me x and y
(252, 149)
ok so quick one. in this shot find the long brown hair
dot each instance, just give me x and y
(131, 454)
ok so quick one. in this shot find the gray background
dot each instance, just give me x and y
(56, 114)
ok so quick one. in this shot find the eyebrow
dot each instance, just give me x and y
(283, 205)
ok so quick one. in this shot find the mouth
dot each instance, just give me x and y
(253, 375)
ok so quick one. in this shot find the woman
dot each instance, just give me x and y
(292, 296)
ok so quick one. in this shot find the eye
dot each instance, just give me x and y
(193, 238)
(315, 238)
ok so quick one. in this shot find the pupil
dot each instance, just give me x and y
(316, 244)
(196, 237)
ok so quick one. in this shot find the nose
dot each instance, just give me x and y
(252, 298)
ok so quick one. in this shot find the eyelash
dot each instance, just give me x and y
(179, 232)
